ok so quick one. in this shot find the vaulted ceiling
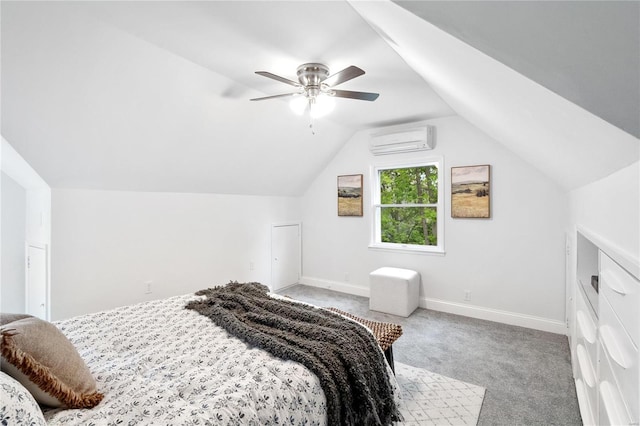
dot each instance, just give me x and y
(585, 51)
(153, 96)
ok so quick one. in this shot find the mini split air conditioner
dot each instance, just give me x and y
(415, 139)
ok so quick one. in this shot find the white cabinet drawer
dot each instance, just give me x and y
(620, 356)
(586, 367)
(587, 377)
(622, 291)
(587, 407)
(586, 328)
(612, 409)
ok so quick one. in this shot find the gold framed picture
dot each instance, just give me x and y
(350, 195)
(471, 192)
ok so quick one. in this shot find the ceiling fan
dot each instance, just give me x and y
(315, 88)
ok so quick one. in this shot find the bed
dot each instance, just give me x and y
(159, 363)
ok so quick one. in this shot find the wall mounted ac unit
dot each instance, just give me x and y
(415, 139)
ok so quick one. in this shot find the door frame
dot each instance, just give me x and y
(279, 225)
(45, 247)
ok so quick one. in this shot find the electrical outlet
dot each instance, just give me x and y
(251, 266)
(147, 287)
(467, 295)
(346, 277)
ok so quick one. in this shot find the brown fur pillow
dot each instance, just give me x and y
(39, 356)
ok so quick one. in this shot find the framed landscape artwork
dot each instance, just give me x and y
(470, 192)
(350, 195)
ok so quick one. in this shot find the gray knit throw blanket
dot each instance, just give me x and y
(341, 353)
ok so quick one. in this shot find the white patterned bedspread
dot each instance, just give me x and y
(158, 363)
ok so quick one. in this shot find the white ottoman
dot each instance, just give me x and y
(394, 291)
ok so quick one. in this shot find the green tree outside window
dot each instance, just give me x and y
(408, 205)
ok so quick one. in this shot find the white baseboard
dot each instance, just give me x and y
(336, 286)
(283, 289)
(489, 314)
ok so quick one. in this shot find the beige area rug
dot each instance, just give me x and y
(431, 399)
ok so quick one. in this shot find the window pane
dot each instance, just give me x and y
(413, 185)
(409, 225)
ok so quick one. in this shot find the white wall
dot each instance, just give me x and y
(13, 217)
(609, 209)
(38, 193)
(34, 218)
(38, 219)
(109, 243)
(513, 263)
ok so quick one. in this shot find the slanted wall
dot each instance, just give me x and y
(562, 140)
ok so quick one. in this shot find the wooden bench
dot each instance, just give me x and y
(385, 333)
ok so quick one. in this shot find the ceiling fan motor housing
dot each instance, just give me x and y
(311, 76)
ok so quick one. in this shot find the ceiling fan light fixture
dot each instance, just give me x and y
(318, 106)
(299, 104)
(321, 105)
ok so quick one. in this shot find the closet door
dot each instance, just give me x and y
(285, 255)
(36, 288)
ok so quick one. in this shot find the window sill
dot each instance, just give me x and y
(399, 248)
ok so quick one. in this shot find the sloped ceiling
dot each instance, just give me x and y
(563, 140)
(586, 51)
(153, 96)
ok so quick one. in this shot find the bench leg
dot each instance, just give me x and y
(388, 354)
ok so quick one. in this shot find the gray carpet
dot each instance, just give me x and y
(527, 373)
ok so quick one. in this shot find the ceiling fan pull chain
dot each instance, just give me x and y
(311, 124)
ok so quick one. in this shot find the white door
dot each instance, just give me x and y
(36, 288)
(285, 255)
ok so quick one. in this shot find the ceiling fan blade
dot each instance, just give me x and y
(277, 77)
(363, 96)
(344, 75)
(275, 96)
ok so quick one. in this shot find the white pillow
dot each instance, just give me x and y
(17, 406)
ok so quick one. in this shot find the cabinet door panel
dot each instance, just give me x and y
(622, 291)
(619, 355)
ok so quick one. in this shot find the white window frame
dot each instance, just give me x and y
(376, 206)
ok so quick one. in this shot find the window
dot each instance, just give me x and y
(408, 206)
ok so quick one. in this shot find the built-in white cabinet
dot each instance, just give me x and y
(586, 358)
(605, 337)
